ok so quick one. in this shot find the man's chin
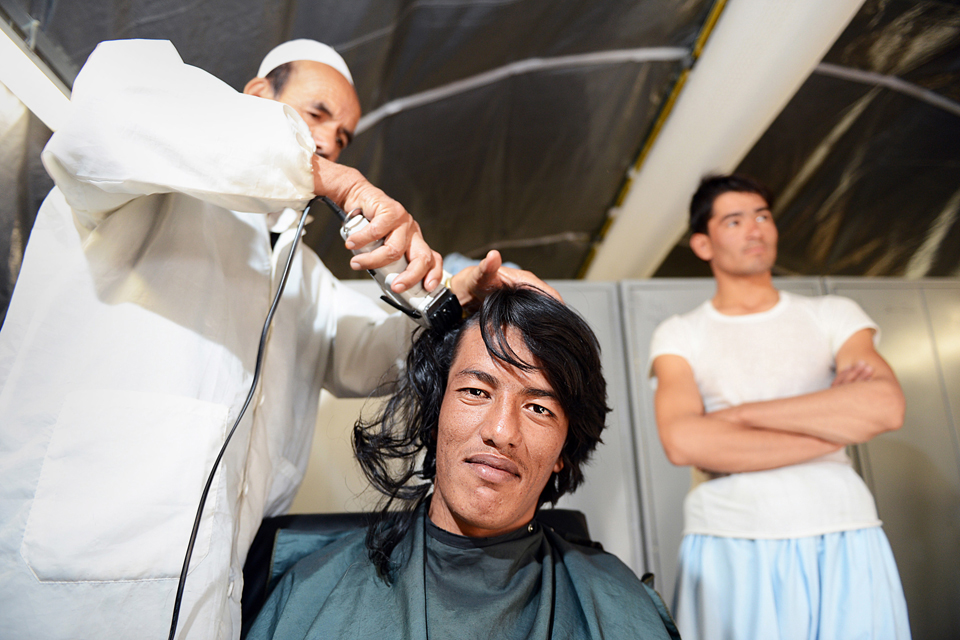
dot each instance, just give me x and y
(488, 528)
(486, 516)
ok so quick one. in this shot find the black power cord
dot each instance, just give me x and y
(253, 386)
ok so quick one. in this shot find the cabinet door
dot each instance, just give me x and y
(914, 472)
(609, 496)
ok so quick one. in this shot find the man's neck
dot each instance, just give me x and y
(743, 295)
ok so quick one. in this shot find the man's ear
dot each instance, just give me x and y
(559, 466)
(702, 247)
(259, 87)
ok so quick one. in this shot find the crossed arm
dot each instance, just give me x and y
(864, 401)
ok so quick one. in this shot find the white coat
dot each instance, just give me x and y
(130, 343)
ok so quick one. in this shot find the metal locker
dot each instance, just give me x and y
(914, 473)
(609, 496)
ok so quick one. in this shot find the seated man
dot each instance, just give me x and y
(498, 417)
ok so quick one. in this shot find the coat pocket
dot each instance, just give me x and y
(120, 485)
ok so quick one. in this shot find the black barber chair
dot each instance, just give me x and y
(259, 572)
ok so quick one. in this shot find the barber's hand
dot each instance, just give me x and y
(388, 220)
(857, 372)
(473, 284)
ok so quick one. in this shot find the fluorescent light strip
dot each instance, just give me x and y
(29, 78)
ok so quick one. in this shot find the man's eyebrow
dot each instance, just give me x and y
(323, 108)
(488, 379)
(482, 376)
(541, 393)
(733, 214)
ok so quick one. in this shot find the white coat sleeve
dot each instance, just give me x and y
(142, 122)
(369, 348)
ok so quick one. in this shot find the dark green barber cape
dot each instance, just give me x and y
(527, 584)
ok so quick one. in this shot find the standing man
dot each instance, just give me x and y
(761, 390)
(130, 342)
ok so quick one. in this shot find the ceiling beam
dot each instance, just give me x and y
(31, 80)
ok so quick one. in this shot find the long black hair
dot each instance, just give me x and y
(397, 449)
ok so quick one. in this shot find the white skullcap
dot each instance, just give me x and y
(303, 49)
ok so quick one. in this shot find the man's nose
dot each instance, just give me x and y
(325, 137)
(502, 428)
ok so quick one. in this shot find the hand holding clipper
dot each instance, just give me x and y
(438, 309)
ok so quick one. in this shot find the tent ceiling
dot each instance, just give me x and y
(513, 124)
(866, 155)
(528, 134)
(743, 78)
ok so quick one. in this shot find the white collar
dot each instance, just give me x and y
(280, 221)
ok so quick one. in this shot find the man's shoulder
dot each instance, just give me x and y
(686, 320)
(816, 301)
(302, 556)
(836, 318)
(681, 333)
(825, 308)
(611, 591)
(591, 560)
(329, 589)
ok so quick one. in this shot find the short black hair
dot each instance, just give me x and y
(278, 78)
(397, 450)
(712, 187)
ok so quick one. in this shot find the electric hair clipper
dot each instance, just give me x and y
(438, 309)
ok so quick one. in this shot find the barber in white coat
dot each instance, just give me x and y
(130, 342)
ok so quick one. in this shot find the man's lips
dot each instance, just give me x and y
(499, 463)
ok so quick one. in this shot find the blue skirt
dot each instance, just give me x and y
(835, 586)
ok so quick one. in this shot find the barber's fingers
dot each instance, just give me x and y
(517, 277)
(491, 262)
(401, 237)
(485, 277)
(394, 247)
(472, 284)
(475, 283)
(424, 265)
(388, 219)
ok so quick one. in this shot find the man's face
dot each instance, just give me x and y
(326, 101)
(741, 236)
(500, 434)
